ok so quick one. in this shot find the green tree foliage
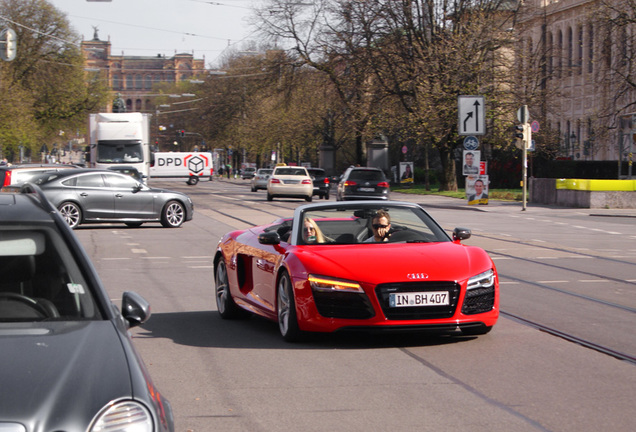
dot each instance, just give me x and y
(47, 76)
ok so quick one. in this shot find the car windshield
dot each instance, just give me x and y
(39, 278)
(119, 151)
(354, 224)
(366, 175)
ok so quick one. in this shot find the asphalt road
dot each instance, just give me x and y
(561, 358)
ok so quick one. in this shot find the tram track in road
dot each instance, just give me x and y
(570, 337)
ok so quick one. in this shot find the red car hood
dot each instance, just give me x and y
(381, 263)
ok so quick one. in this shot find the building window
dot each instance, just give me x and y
(138, 105)
(559, 54)
(129, 106)
(138, 82)
(570, 50)
(148, 81)
(590, 49)
(129, 82)
(550, 56)
(579, 64)
(116, 82)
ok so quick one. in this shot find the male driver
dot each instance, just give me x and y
(381, 224)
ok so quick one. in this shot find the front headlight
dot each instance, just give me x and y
(482, 280)
(327, 284)
(126, 416)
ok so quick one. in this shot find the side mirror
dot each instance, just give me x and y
(134, 308)
(461, 234)
(271, 238)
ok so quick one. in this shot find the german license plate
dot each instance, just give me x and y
(363, 189)
(411, 299)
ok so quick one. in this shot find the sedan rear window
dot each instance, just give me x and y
(291, 171)
(367, 175)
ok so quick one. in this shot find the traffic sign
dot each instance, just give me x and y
(534, 126)
(523, 115)
(471, 118)
(471, 142)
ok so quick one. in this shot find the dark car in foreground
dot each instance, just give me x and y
(322, 271)
(98, 196)
(67, 360)
(322, 185)
(363, 183)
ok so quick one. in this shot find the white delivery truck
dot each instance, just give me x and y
(118, 139)
(192, 166)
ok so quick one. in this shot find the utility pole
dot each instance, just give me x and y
(523, 135)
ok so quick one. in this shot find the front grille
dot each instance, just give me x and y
(343, 305)
(418, 312)
(479, 300)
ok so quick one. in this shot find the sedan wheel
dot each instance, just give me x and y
(224, 302)
(287, 320)
(173, 215)
(71, 213)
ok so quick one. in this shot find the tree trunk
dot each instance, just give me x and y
(448, 182)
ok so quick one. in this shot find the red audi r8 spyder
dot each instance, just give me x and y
(327, 269)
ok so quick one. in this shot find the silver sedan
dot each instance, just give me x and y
(103, 196)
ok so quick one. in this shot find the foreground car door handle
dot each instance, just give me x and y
(119, 195)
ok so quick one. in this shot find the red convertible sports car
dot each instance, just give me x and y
(357, 265)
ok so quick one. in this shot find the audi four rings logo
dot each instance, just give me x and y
(416, 276)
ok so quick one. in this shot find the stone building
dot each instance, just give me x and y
(134, 76)
(574, 60)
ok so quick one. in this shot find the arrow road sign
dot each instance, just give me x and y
(472, 119)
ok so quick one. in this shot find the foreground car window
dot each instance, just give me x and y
(40, 280)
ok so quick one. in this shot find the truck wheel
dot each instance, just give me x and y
(192, 181)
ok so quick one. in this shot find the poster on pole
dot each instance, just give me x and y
(471, 163)
(477, 189)
(406, 172)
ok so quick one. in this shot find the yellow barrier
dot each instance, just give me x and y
(596, 185)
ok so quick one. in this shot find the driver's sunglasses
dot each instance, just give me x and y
(378, 226)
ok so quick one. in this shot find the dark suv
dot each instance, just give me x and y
(322, 185)
(361, 183)
(61, 336)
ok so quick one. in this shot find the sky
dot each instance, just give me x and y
(150, 27)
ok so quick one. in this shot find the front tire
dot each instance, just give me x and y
(269, 197)
(224, 302)
(71, 213)
(193, 181)
(309, 198)
(173, 214)
(286, 310)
